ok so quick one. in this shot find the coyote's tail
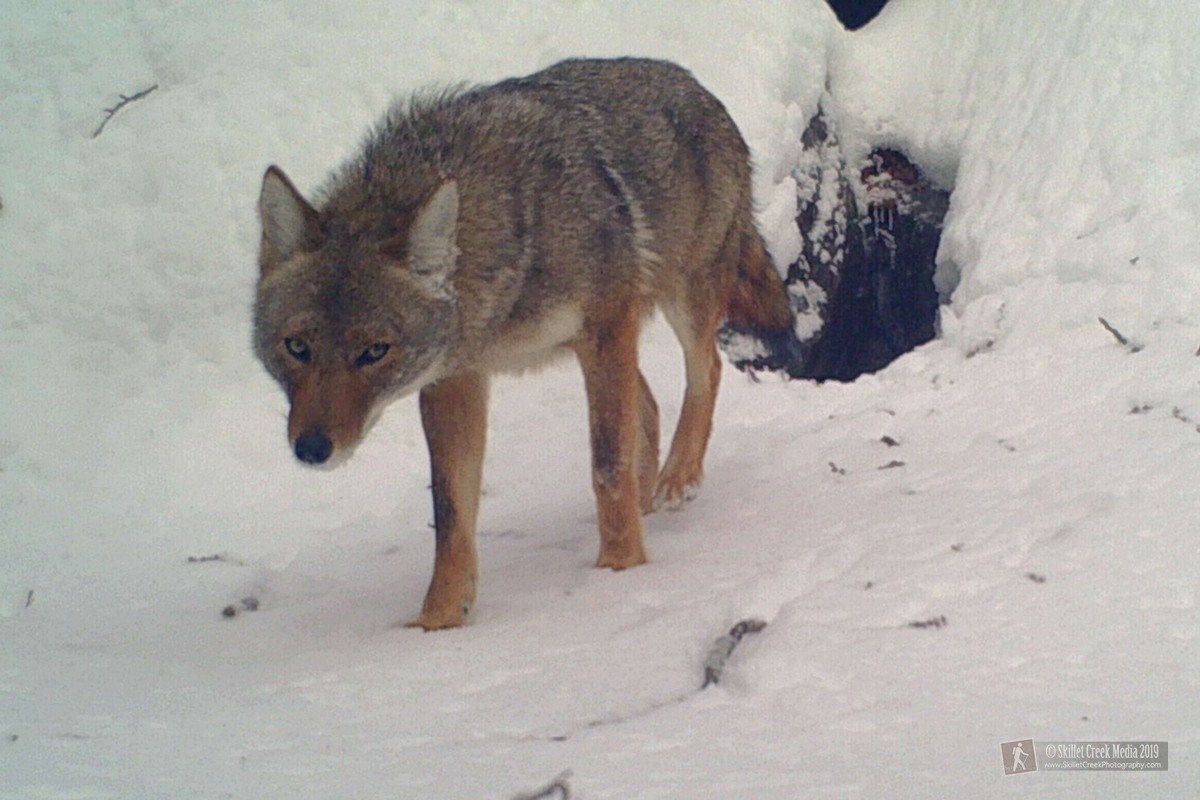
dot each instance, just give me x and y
(759, 309)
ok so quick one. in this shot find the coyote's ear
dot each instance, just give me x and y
(432, 238)
(290, 225)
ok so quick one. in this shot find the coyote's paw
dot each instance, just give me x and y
(671, 495)
(436, 619)
(619, 558)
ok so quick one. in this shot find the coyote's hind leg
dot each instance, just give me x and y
(608, 356)
(647, 445)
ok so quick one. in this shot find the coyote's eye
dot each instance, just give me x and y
(297, 349)
(372, 354)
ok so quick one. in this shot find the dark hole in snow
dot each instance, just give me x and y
(853, 14)
(862, 288)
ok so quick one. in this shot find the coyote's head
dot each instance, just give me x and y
(351, 314)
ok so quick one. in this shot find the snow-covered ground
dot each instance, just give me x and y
(1036, 489)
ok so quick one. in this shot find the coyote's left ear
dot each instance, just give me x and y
(432, 246)
(290, 225)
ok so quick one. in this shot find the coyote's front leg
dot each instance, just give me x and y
(608, 355)
(454, 414)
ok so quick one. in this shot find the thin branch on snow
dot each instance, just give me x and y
(1121, 339)
(111, 112)
(714, 663)
(719, 653)
(556, 788)
(1116, 333)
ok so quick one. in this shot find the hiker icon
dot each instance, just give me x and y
(1018, 759)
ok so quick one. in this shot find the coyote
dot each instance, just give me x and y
(489, 229)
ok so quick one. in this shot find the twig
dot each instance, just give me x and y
(215, 558)
(1116, 333)
(1121, 339)
(110, 112)
(558, 787)
(719, 653)
(29, 599)
(714, 663)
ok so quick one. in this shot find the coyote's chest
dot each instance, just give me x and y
(533, 344)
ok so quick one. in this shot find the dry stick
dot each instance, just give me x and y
(1116, 333)
(714, 663)
(558, 786)
(110, 112)
(719, 653)
(1123, 340)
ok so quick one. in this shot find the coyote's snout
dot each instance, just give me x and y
(488, 230)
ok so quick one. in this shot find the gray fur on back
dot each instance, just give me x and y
(570, 178)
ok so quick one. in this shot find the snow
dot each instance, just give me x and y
(1068, 130)
(1040, 494)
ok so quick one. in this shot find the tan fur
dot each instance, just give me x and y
(608, 355)
(454, 414)
(335, 399)
(492, 230)
(647, 446)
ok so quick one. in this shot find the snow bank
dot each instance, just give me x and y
(1068, 131)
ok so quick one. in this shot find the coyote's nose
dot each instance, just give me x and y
(313, 448)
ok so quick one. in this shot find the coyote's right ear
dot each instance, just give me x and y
(432, 239)
(290, 224)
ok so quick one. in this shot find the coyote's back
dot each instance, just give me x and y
(489, 229)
